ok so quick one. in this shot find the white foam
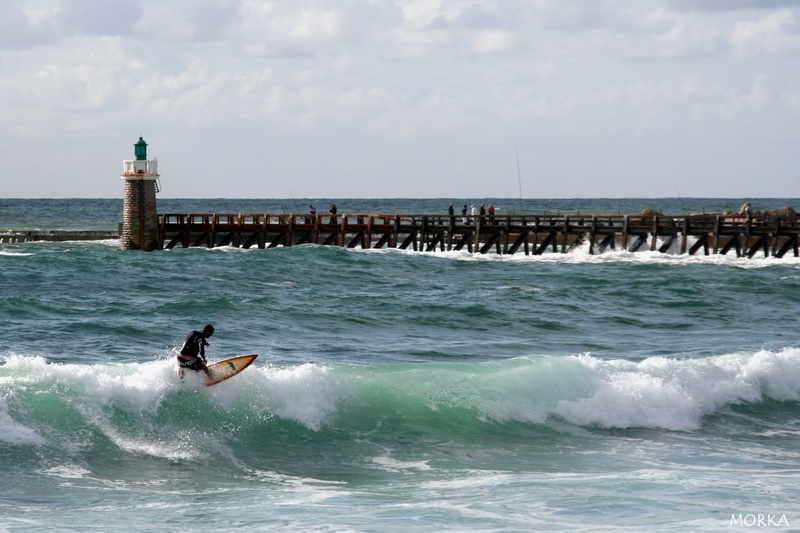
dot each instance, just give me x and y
(676, 394)
(582, 255)
(634, 399)
(12, 432)
(142, 384)
(91, 389)
(308, 394)
(394, 465)
(68, 471)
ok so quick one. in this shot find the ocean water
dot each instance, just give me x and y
(395, 390)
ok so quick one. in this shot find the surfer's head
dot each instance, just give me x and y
(208, 330)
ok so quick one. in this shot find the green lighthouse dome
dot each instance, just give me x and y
(141, 150)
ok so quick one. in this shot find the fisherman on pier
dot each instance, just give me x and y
(747, 210)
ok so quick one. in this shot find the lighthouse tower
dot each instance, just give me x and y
(139, 216)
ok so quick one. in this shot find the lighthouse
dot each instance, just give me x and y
(139, 216)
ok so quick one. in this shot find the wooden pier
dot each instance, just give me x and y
(767, 235)
(530, 234)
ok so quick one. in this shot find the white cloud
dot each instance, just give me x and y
(742, 104)
(773, 33)
(99, 17)
(688, 37)
(492, 42)
(442, 83)
(730, 5)
(21, 28)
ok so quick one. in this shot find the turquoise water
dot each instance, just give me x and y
(395, 390)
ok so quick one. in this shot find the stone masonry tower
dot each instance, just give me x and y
(139, 216)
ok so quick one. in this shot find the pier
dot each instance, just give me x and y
(775, 235)
(529, 234)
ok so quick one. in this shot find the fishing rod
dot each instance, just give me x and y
(519, 178)
(679, 197)
(293, 200)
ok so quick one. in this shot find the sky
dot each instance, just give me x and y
(403, 99)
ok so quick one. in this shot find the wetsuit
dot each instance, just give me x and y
(195, 347)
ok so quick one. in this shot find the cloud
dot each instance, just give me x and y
(576, 85)
(729, 5)
(688, 37)
(19, 29)
(492, 42)
(772, 34)
(190, 20)
(99, 17)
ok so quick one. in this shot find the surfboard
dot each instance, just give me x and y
(227, 368)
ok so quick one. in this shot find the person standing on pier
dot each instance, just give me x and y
(193, 351)
(491, 214)
(473, 212)
(747, 210)
(332, 211)
(450, 210)
(464, 214)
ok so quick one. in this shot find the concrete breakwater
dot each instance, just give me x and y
(9, 237)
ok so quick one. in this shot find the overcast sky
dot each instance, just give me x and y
(391, 98)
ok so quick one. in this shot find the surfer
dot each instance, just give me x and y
(193, 351)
